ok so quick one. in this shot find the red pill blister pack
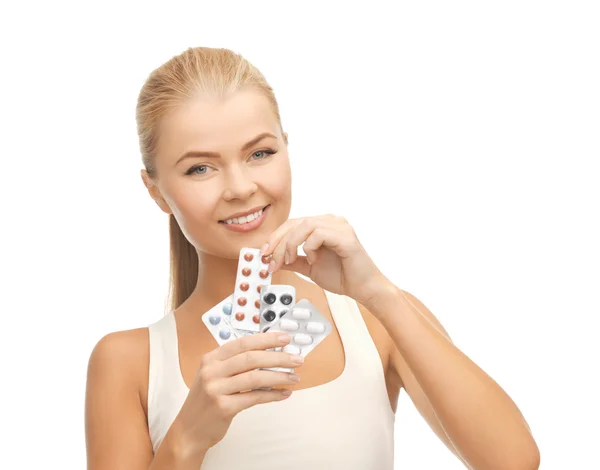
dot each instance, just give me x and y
(251, 276)
(218, 321)
(275, 301)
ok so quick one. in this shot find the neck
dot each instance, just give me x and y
(216, 281)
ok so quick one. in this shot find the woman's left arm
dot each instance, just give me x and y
(483, 424)
(480, 420)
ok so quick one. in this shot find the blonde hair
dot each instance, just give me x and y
(196, 72)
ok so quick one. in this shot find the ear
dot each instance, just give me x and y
(154, 192)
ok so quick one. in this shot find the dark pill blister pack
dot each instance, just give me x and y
(275, 301)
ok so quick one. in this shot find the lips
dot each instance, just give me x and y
(243, 214)
(247, 227)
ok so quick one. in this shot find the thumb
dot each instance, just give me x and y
(300, 265)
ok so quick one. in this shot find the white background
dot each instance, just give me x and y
(460, 139)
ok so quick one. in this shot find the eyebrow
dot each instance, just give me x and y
(246, 146)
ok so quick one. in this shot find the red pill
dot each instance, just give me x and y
(244, 286)
(248, 256)
(242, 301)
(239, 316)
(264, 274)
(246, 271)
(257, 303)
(258, 288)
(256, 319)
(265, 259)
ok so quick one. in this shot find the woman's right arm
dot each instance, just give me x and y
(116, 428)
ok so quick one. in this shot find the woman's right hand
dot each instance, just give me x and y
(224, 386)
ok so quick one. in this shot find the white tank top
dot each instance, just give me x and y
(347, 423)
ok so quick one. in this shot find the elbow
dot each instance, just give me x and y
(533, 463)
(529, 460)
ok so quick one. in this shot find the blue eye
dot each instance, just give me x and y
(200, 170)
(193, 169)
(268, 152)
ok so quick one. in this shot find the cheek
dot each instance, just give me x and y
(192, 207)
(278, 181)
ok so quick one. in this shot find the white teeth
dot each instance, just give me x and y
(245, 219)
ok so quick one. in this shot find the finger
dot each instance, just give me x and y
(283, 247)
(300, 265)
(254, 379)
(279, 233)
(259, 341)
(243, 401)
(284, 228)
(288, 246)
(296, 237)
(251, 360)
(321, 236)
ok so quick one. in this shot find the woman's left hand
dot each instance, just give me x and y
(335, 259)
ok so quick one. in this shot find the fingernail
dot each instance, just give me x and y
(264, 249)
(271, 265)
(286, 392)
(286, 258)
(297, 359)
(295, 377)
(284, 338)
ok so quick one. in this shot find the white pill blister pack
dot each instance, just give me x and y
(218, 321)
(306, 326)
(275, 301)
(252, 275)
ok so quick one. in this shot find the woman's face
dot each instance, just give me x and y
(216, 159)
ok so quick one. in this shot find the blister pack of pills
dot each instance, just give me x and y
(251, 276)
(306, 326)
(256, 306)
(218, 321)
(275, 301)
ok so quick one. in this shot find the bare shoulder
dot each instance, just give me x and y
(115, 418)
(126, 342)
(123, 353)
(126, 356)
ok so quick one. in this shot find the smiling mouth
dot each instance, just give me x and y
(237, 221)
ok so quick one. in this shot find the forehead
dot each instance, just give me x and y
(219, 125)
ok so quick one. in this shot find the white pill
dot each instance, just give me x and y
(288, 325)
(302, 339)
(301, 313)
(291, 349)
(314, 327)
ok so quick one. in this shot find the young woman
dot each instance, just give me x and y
(168, 397)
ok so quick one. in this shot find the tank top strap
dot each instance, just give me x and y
(358, 343)
(164, 378)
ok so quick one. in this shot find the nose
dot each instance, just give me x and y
(238, 184)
